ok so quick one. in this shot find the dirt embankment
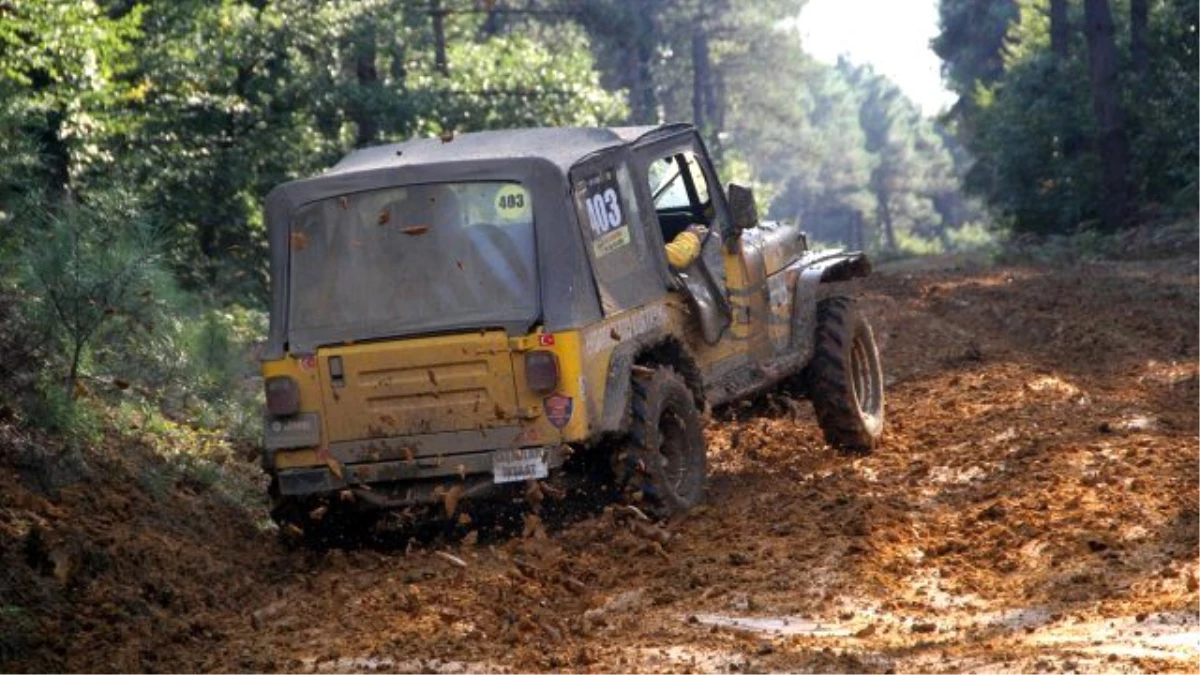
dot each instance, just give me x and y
(1034, 507)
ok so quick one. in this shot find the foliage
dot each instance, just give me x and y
(198, 366)
(972, 40)
(57, 412)
(207, 106)
(109, 322)
(87, 269)
(1031, 142)
(1027, 113)
(60, 67)
(861, 167)
(511, 81)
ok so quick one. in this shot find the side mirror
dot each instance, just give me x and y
(741, 203)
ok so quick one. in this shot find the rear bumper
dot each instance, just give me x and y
(430, 471)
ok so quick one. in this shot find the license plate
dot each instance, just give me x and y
(510, 466)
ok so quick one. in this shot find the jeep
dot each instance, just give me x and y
(452, 315)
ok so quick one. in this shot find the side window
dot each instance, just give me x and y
(680, 192)
(665, 184)
(614, 234)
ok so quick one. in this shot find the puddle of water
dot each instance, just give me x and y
(1164, 636)
(951, 476)
(369, 664)
(1015, 619)
(779, 625)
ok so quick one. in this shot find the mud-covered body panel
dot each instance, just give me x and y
(423, 386)
(779, 244)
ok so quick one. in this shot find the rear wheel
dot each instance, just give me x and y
(845, 378)
(320, 524)
(666, 461)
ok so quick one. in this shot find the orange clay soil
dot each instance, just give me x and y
(1033, 508)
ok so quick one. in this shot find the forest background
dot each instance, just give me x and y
(139, 138)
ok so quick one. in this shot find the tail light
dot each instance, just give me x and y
(283, 396)
(541, 371)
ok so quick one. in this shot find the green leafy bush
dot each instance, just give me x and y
(199, 366)
(112, 324)
(56, 411)
(89, 270)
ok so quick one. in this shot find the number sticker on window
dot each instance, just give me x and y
(512, 203)
(601, 206)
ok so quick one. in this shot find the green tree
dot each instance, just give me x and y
(971, 42)
(1047, 133)
(61, 63)
(87, 268)
(913, 167)
(230, 99)
(826, 177)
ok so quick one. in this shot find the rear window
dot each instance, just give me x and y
(410, 259)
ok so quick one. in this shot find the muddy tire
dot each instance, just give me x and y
(845, 378)
(666, 461)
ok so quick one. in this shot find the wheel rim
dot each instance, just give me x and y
(863, 378)
(672, 450)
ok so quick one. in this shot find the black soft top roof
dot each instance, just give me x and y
(540, 159)
(561, 146)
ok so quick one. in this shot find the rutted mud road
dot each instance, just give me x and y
(1033, 508)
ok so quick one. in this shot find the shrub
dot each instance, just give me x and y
(55, 411)
(88, 270)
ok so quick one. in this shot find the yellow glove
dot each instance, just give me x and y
(685, 247)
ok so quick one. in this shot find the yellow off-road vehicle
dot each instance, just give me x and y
(448, 317)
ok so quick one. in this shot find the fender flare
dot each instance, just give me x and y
(615, 417)
(812, 271)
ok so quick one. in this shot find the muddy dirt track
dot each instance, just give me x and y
(1033, 508)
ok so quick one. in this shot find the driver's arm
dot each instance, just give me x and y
(685, 247)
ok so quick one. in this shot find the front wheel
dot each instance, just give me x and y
(845, 378)
(666, 461)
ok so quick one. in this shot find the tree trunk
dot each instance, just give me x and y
(73, 375)
(56, 154)
(398, 69)
(367, 75)
(704, 95)
(640, 44)
(491, 25)
(1139, 16)
(700, 80)
(439, 36)
(1060, 29)
(885, 219)
(1110, 120)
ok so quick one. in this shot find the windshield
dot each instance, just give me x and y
(412, 259)
(668, 190)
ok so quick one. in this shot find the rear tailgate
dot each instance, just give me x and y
(418, 386)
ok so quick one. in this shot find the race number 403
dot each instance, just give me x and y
(604, 211)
